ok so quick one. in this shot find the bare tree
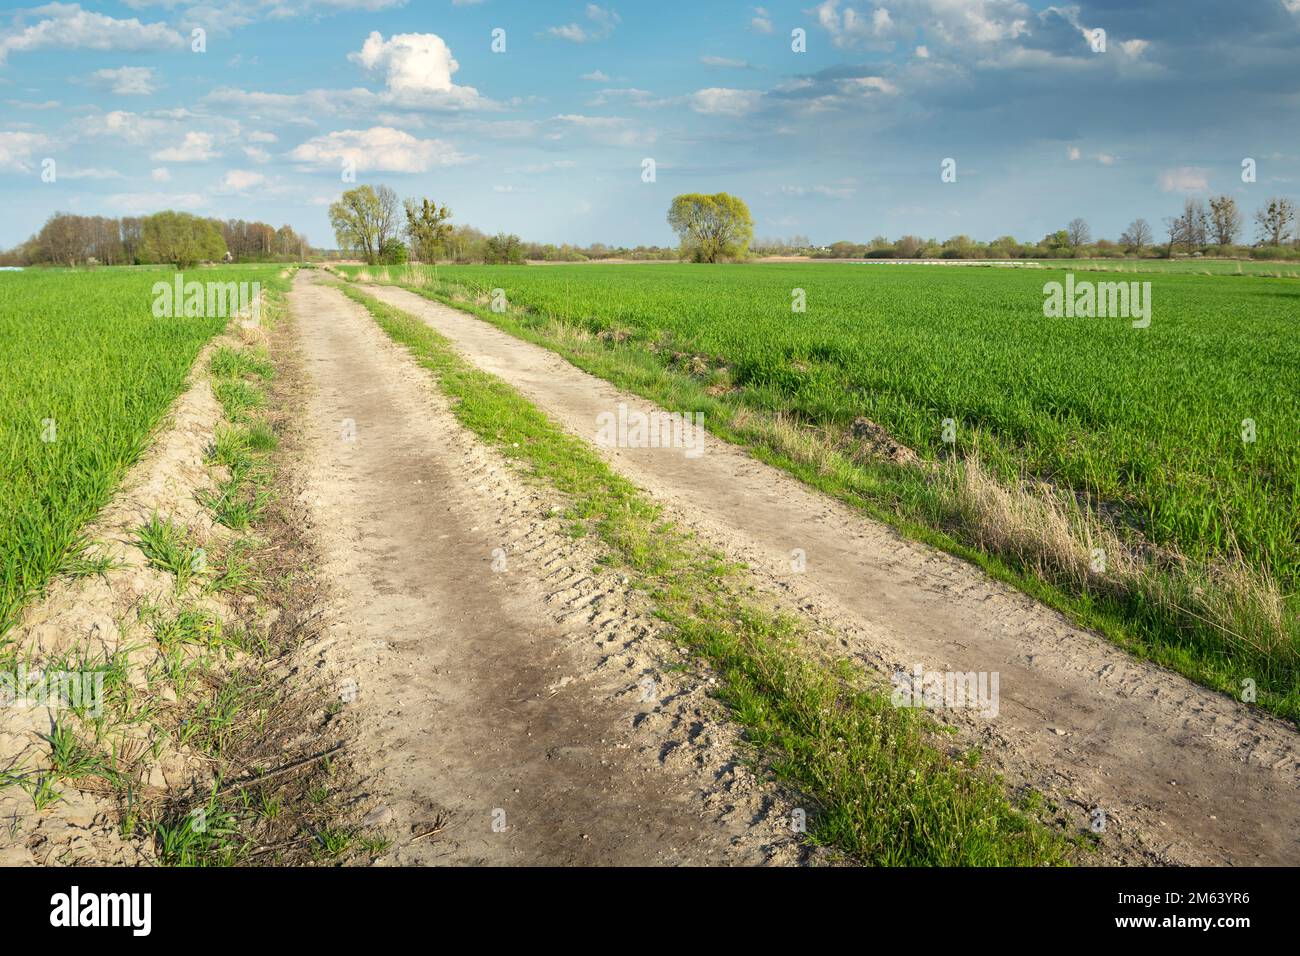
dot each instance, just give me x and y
(1137, 236)
(1275, 220)
(387, 223)
(1079, 233)
(1225, 220)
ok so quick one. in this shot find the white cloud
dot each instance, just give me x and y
(599, 76)
(923, 52)
(380, 148)
(602, 24)
(16, 149)
(761, 22)
(952, 23)
(132, 127)
(605, 130)
(1074, 153)
(161, 174)
(867, 85)
(125, 81)
(195, 148)
(239, 180)
(68, 27)
(849, 27)
(417, 70)
(1184, 179)
(257, 154)
(257, 136)
(728, 102)
(415, 62)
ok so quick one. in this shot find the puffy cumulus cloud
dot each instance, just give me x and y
(413, 62)
(1184, 179)
(65, 26)
(417, 69)
(718, 100)
(17, 149)
(848, 27)
(379, 149)
(761, 21)
(125, 81)
(196, 147)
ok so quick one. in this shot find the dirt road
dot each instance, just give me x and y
(497, 684)
(1182, 774)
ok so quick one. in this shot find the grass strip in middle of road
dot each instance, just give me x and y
(882, 791)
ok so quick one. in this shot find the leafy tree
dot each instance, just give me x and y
(711, 227)
(181, 239)
(503, 249)
(364, 219)
(393, 252)
(427, 228)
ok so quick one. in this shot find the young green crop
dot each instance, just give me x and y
(1152, 418)
(1150, 427)
(86, 373)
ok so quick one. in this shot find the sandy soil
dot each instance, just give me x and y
(499, 690)
(1183, 774)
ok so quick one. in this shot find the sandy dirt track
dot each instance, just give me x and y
(1184, 775)
(491, 677)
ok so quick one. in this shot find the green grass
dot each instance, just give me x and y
(86, 373)
(1146, 421)
(878, 785)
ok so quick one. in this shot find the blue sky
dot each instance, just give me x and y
(547, 139)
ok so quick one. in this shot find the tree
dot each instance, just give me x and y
(1079, 234)
(63, 239)
(363, 219)
(1274, 221)
(393, 252)
(503, 249)
(711, 227)
(427, 228)
(180, 239)
(1190, 230)
(1225, 220)
(1137, 236)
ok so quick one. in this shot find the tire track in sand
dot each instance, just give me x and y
(1184, 774)
(477, 691)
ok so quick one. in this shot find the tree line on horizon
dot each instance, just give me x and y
(177, 238)
(1201, 229)
(370, 223)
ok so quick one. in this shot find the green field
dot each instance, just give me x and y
(88, 371)
(1146, 425)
